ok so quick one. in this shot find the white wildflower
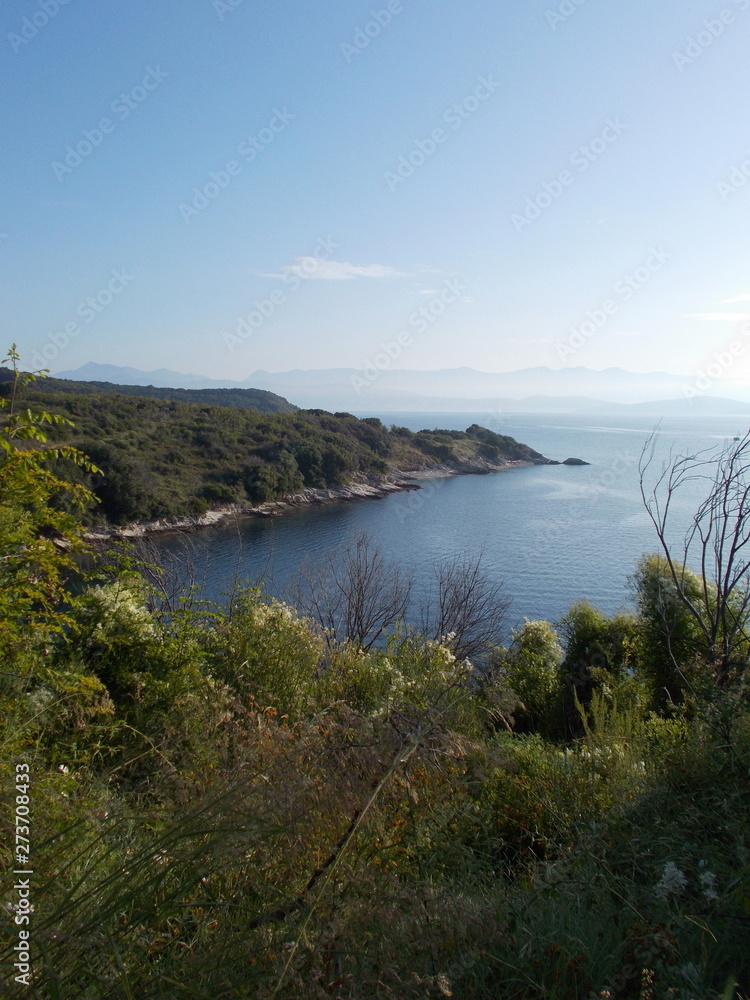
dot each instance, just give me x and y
(39, 699)
(13, 908)
(671, 883)
(709, 886)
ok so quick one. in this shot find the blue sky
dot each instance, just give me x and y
(220, 187)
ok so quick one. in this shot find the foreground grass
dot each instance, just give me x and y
(223, 806)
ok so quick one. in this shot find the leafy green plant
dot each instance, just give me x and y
(38, 539)
(531, 668)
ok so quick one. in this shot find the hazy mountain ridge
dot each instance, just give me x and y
(530, 390)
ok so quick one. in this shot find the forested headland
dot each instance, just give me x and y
(276, 801)
(245, 399)
(159, 456)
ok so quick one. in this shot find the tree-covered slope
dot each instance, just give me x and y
(244, 399)
(162, 457)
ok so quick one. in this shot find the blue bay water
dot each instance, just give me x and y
(552, 534)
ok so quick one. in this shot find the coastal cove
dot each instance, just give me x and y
(553, 534)
(366, 488)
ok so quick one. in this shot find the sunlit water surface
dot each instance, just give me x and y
(552, 534)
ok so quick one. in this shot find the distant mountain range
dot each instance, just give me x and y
(529, 390)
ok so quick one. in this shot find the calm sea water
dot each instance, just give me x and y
(552, 534)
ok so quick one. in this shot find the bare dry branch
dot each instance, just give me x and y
(467, 609)
(715, 542)
(356, 596)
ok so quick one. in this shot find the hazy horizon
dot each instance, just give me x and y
(374, 391)
(58, 373)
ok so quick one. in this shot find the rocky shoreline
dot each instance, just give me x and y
(367, 488)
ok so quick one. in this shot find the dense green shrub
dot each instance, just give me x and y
(597, 648)
(264, 652)
(669, 640)
(531, 668)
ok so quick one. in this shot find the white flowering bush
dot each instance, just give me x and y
(116, 635)
(408, 672)
(118, 611)
(709, 883)
(267, 654)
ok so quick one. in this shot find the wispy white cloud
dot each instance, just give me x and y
(738, 298)
(720, 317)
(335, 270)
